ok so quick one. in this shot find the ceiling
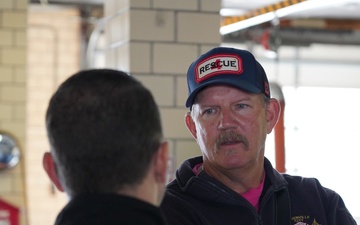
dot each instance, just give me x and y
(311, 21)
(346, 9)
(336, 9)
(321, 21)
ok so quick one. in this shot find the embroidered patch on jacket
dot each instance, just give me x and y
(304, 220)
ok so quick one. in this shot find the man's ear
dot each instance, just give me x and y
(190, 124)
(161, 162)
(272, 113)
(50, 168)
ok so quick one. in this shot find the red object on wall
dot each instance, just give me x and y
(279, 129)
(265, 40)
(280, 141)
(9, 214)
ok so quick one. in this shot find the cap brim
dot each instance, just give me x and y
(245, 86)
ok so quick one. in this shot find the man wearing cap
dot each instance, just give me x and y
(231, 113)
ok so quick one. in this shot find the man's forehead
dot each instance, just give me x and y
(222, 90)
(209, 90)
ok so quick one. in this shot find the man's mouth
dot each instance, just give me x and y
(230, 142)
(231, 138)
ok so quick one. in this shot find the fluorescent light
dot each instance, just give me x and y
(308, 5)
(231, 12)
(292, 9)
(247, 23)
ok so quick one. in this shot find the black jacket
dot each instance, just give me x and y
(109, 209)
(201, 199)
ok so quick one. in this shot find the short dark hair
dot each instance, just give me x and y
(104, 128)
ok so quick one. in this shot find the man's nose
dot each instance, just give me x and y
(227, 120)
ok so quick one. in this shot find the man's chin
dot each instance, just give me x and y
(235, 158)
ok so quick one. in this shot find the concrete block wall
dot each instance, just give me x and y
(149, 41)
(156, 41)
(13, 96)
(53, 55)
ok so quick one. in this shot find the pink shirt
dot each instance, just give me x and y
(252, 195)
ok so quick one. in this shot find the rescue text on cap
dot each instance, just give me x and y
(218, 65)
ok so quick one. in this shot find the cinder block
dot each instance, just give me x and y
(67, 59)
(210, 5)
(11, 19)
(37, 167)
(140, 4)
(6, 4)
(64, 71)
(176, 4)
(6, 74)
(20, 38)
(19, 112)
(6, 184)
(173, 58)
(68, 33)
(36, 69)
(181, 91)
(42, 58)
(198, 28)
(13, 93)
(20, 74)
(140, 57)
(39, 134)
(17, 184)
(162, 87)
(152, 25)
(40, 32)
(40, 82)
(64, 47)
(66, 26)
(174, 123)
(206, 47)
(21, 4)
(40, 96)
(6, 37)
(13, 56)
(186, 149)
(15, 127)
(37, 121)
(6, 111)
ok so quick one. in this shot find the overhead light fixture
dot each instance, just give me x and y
(309, 5)
(247, 23)
(279, 13)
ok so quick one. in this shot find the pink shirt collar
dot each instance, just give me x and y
(252, 195)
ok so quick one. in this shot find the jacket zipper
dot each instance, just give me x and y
(267, 196)
(257, 215)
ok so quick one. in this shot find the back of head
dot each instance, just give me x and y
(104, 128)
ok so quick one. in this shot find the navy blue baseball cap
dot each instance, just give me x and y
(230, 66)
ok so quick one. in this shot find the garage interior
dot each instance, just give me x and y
(310, 50)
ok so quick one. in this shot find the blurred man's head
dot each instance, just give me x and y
(105, 134)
